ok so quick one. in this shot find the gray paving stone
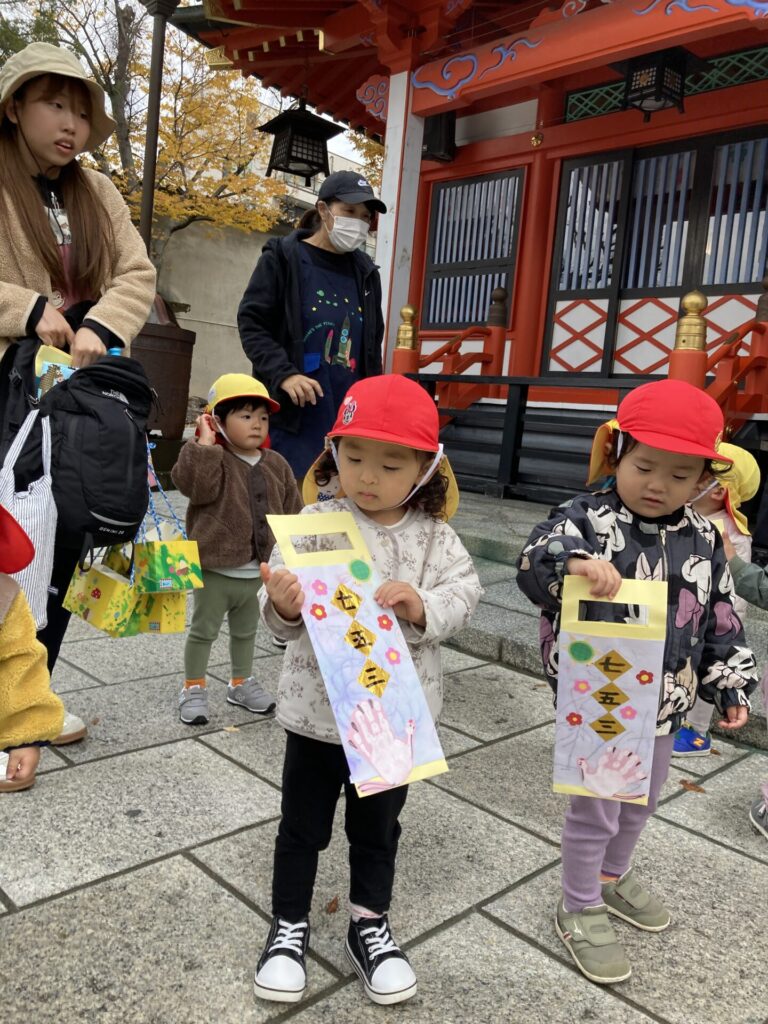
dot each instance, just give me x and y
(67, 679)
(520, 645)
(443, 867)
(513, 778)
(721, 812)
(456, 661)
(118, 660)
(143, 713)
(259, 747)
(454, 742)
(98, 819)
(476, 971)
(717, 901)
(49, 761)
(161, 945)
(493, 701)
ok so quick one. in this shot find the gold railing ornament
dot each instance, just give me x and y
(691, 331)
(406, 332)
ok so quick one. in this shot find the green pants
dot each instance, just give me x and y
(238, 599)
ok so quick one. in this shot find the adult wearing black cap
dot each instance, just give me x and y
(310, 320)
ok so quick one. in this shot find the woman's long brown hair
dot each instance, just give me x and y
(92, 250)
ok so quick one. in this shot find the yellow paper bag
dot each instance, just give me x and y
(103, 598)
(161, 613)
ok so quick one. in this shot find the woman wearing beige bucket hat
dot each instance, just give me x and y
(73, 269)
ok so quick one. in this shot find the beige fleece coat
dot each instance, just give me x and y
(126, 297)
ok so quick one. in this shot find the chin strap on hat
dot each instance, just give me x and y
(430, 472)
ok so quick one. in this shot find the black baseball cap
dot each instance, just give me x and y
(350, 187)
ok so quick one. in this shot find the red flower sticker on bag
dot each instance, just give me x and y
(644, 677)
(318, 612)
(574, 718)
(384, 622)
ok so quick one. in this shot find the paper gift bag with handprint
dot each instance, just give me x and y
(385, 726)
(610, 669)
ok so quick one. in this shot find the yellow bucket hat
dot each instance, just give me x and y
(45, 59)
(741, 481)
(238, 385)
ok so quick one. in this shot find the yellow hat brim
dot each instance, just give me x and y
(598, 460)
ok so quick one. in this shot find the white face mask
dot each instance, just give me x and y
(348, 233)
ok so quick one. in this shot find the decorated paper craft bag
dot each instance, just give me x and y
(161, 613)
(103, 598)
(608, 690)
(167, 566)
(384, 723)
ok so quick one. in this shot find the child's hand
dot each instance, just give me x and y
(403, 600)
(22, 763)
(736, 717)
(284, 592)
(604, 577)
(206, 431)
(730, 550)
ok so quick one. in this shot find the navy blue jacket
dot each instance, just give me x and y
(269, 320)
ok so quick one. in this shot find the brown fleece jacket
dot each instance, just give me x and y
(229, 499)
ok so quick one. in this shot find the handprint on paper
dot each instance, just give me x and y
(616, 771)
(371, 735)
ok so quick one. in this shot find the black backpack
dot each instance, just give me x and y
(99, 447)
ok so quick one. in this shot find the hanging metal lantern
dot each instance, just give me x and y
(301, 142)
(656, 81)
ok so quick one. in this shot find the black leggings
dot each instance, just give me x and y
(64, 561)
(313, 774)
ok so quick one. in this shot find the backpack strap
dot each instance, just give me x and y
(20, 440)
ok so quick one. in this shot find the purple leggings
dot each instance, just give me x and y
(600, 835)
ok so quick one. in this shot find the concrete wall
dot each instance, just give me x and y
(208, 268)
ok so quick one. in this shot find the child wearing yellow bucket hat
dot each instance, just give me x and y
(385, 465)
(720, 501)
(233, 481)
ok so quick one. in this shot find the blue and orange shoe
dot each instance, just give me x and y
(690, 743)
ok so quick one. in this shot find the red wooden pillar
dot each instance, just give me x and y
(535, 249)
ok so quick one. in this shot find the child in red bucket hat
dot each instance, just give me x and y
(658, 451)
(384, 464)
(30, 714)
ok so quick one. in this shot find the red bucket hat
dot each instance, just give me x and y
(16, 549)
(667, 414)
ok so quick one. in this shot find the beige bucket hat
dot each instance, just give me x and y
(45, 59)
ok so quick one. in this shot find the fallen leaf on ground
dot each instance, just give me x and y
(231, 728)
(95, 721)
(332, 906)
(716, 752)
(692, 787)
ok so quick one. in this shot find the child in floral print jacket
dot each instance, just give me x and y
(660, 447)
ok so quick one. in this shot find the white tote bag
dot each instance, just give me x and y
(35, 511)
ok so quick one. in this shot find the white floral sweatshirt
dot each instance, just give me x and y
(417, 550)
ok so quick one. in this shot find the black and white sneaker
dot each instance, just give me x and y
(281, 974)
(381, 965)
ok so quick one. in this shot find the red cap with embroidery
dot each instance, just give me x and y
(675, 417)
(16, 549)
(391, 408)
